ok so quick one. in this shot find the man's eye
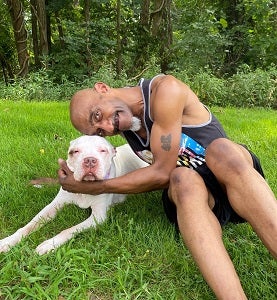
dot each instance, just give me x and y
(97, 116)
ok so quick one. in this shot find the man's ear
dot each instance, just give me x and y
(101, 87)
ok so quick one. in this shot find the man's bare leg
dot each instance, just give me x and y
(248, 193)
(202, 234)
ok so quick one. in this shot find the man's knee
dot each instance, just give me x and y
(184, 183)
(223, 157)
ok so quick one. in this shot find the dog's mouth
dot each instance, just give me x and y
(89, 177)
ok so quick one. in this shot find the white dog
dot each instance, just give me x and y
(89, 158)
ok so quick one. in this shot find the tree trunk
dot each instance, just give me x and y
(35, 33)
(20, 35)
(7, 70)
(118, 39)
(87, 20)
(60, 30)
(42, 24)
(144, 15)
(237, 49)
(161, 30)
(48, 27)
(165, 50)
(143, 39)
(157, 16)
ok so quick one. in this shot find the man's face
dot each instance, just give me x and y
(95, 114)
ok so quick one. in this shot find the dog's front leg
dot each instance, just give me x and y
(98, 215)
(42, 217)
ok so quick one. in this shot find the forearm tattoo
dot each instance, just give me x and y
(166, 142)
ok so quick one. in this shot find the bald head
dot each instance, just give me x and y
(80, 106)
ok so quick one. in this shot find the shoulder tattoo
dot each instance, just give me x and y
(166, 142)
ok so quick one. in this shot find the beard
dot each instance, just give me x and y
(136, 124)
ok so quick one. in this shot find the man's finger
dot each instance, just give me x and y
(64, 170)
(63, 165)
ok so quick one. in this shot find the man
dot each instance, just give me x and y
(215, 182)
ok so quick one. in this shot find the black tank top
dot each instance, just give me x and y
(193, 141)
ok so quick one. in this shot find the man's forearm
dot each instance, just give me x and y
(138, 181)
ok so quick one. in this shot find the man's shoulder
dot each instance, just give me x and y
(169, 86)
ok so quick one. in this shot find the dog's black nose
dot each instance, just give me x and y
(90, 162)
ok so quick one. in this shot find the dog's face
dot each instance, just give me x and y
(90, 158)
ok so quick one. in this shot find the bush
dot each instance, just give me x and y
(37, 86)
(245, 89)
(41, 86)
(256, 88)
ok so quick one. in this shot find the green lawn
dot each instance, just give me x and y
(136, 254)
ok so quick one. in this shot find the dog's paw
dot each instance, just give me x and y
(4, 247)
(7, 243)
(46, 247)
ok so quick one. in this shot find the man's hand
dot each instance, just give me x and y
(66, 178)
(68, 183)
(64, 171)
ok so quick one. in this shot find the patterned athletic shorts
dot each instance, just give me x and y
(222, 209)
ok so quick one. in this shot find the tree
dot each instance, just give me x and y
(7, 52)
(41, 34)
(162, 30)
(87, 33)
(35, 33)
(42, 24)
(154, 35)
(20, 35)
(118, 39)
(75, 39)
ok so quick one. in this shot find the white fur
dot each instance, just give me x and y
(107, 162)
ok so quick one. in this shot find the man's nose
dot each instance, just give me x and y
(107, 125)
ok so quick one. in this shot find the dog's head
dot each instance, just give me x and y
(91, 158)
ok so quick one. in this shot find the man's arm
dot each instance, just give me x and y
(167, 104)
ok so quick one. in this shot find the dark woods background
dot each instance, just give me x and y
(226, 50)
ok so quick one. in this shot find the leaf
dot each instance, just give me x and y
(223, 22)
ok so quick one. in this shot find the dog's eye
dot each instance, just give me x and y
(72, 152)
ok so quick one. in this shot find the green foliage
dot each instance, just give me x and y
(245, 89)
(7, 46)
(260, 30)
(219, 36)
(257, 88)
(210, 89)
(37, 86)
(41, 85)
(222, 35)
(200, 40)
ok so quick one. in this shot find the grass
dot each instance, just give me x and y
(136, 254)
